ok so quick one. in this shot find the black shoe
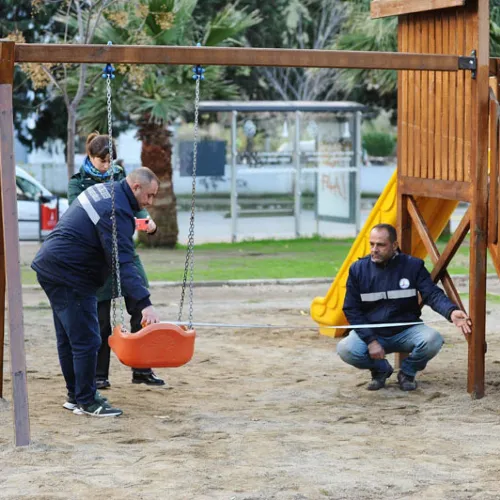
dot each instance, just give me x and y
(146, 378)
(102, 383)
(379, 378)
(406, 382)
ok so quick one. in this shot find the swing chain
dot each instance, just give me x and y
(108, 73)
(189, 264)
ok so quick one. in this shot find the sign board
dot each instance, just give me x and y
(336, 194)
(211, 158)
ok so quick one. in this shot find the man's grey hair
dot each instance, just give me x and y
(143, 175)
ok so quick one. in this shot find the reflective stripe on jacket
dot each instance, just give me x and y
(79, 183)
(78, 251)
(389, 294)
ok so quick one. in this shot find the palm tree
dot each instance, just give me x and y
(154, 96)
(365, 34)
(362, 33)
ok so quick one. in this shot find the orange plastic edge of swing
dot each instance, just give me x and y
(161, 345)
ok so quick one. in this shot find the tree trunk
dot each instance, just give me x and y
(70, 141)
(156, 154)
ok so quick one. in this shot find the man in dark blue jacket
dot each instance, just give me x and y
(74, 261)
(383, 288)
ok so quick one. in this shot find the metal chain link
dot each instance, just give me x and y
(115, 259)
(189, 264)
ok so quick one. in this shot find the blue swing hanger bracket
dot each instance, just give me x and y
(108, 70)
(198, 70)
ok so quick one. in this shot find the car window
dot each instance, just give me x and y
(29, 191)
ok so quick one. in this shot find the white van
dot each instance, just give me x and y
(30, 193)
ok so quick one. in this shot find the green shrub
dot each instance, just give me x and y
(379, 143)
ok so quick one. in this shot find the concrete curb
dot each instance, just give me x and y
(253, 282)
(257, 282)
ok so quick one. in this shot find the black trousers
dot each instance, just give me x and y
(104, 354)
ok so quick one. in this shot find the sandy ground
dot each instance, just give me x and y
(257, 414)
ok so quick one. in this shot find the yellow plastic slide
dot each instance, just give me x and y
(327, 311)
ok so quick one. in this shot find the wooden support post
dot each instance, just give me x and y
(404, 229)
(479, 222)
(2, 283)
(11, 242)
(2, 258)
(2, 294)
(493, 165)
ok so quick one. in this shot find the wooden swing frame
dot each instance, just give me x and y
(419, 61)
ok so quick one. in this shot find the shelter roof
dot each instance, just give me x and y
(283, 106)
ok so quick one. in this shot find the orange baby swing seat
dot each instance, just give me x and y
(160, 345)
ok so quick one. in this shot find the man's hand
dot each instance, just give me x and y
(375, 350)
(151, 227)
(149, 316)
(462, 321)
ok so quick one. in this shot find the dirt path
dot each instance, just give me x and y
(257, 414)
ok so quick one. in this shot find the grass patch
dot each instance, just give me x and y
(267, 259)
(491, 298)
(261, 259)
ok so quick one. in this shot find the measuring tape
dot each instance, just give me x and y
(288, 327)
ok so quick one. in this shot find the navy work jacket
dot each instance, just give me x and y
(388, 294)
(78, 252)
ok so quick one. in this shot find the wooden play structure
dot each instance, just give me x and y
(443, 108)
(442, 160)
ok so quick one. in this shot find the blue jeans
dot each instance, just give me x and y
(78, 337)
(422, 342)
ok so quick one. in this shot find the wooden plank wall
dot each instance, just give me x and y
(384, 8)
(436, 140)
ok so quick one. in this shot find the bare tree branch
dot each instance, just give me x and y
(79, 20)
(66, 27)
(81, 85)
(313, 31)
(56, 83)
(268, 73)
(65, 41)
(91, 84)
(104, 5)
(300, 33)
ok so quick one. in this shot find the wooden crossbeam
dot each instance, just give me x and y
(495, 256)
(231, 56)
(432, 250)
(497, 178)
(435, 188)
(494, 65)
(452, 246)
